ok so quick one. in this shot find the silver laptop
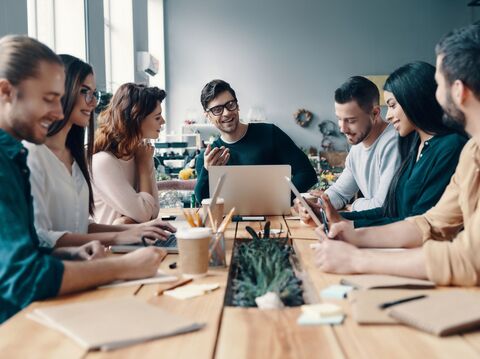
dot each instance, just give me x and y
(253, 190)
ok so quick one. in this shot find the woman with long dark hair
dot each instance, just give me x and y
(429, 149)
(124, 185)
(60, 178)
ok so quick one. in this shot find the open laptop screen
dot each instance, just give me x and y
(253, 190)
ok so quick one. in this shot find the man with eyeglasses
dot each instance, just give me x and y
(245, 144)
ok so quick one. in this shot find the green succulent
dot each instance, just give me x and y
(263, 266)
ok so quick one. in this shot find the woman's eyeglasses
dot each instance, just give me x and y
(218, 110)
(91, 97)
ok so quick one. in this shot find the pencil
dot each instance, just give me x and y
(173, 286)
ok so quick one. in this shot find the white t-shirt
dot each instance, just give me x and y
(60, 199)
(115, 190)
(369, 170)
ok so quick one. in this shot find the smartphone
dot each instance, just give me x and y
(168, 218)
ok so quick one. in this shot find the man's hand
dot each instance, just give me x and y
(217, 156)
(333, 256)
(303, 213)
(88, 251)
(142, 263)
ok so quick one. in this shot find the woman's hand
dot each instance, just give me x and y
(331, 212)
(144, 154)
(150, 231)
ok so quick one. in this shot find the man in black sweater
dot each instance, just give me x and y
(245, 144)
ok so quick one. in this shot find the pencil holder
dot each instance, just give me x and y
(217, 250)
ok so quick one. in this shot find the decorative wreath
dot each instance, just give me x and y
(302, 117)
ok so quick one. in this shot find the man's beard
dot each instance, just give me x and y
(452, 116)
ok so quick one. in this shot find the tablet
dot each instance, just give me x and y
(303, 202)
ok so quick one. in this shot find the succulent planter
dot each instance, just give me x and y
(261, 265)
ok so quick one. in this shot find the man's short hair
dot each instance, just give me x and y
(358, 89)
(460, 49)
(20, 57)
(213, 89)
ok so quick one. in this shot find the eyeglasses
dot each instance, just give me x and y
(218, 110)
(89, 95)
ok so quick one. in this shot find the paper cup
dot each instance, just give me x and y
(193, 246)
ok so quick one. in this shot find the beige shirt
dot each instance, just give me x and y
(114, 184)
(451, 229)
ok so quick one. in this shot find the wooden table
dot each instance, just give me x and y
(241, 333)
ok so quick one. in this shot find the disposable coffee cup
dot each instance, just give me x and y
(193, 246)
(217, 212)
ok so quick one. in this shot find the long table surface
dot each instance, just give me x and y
(241, 332)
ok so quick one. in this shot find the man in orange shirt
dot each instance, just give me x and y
(442, 244)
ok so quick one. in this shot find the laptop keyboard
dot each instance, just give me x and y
(171, 242)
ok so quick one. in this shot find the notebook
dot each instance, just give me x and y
(365, 304)
(112, 323)
(442, 314)
(371, 281)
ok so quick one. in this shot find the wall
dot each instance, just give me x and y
(283, 55)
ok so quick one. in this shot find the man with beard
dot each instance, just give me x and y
(245, 144)
(374, 156)
(444, 242)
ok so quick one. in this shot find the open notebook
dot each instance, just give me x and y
(366, 303)
(112, 323)
(371, 281)
(442, 313)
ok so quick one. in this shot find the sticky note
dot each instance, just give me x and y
(306, 319)
(322, 310)
(336, 291)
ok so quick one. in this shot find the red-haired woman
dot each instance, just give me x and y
(124, 184)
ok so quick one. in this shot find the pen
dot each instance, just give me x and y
(404, 300)
(175, 285)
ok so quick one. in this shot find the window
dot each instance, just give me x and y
(59, 24)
